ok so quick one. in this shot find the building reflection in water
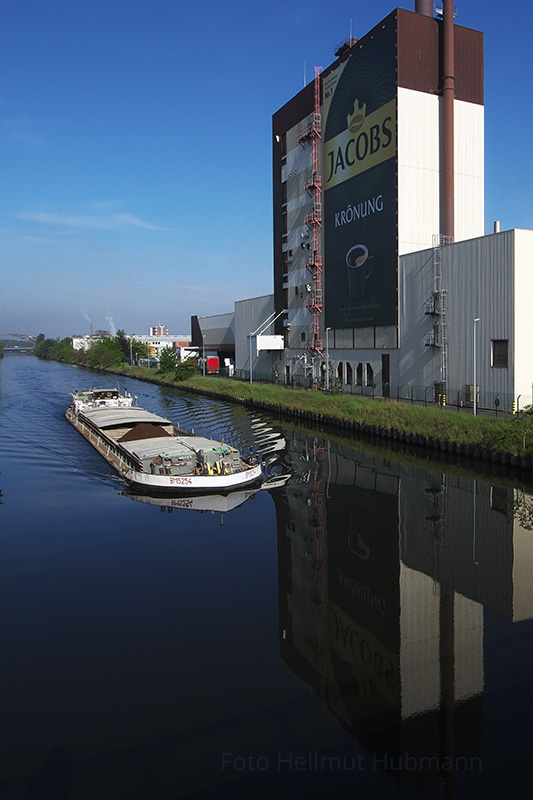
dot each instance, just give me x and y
(384, 571)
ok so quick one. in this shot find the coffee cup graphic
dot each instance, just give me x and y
(359, 268)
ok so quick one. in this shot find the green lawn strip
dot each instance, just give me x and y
(504, 434)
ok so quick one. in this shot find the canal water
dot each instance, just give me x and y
(360, 627)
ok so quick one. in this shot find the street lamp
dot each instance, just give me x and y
(475, 365)
(327, 358)
(203, 354)
(251, 337)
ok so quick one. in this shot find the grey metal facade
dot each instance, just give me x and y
(249, 315)
(479, 277)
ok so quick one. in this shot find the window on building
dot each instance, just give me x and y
(339, 372)
(469, 393)
(302, 336)
(500, 352)
(359, 374)
(369, 375)
(349, 373)
(296, 291)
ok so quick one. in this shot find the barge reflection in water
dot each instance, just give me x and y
(222, 503)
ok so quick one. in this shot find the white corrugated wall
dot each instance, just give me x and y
(419, 169)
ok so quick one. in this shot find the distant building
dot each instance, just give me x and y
(180, 343)
(155, 343)
(85, 342)
(159, 330)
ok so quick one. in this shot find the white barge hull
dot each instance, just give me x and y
(207, 483)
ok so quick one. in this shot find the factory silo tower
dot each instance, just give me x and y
(377, 156)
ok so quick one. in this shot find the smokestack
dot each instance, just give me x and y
(496, 226)
(448, 95)
(91, 329)
(424, 7)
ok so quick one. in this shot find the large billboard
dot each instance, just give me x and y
(360, 186)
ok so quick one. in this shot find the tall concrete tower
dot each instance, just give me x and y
(400, 158)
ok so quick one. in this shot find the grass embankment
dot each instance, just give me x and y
(505, 434)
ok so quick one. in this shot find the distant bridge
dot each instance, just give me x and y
(26, 338)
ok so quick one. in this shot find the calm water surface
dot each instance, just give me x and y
(362, 628)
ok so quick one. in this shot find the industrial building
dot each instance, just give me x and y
(362, 175)
(380, 258)
(384, 280)
(214, 338)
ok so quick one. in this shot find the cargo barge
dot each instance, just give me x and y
(152, 453)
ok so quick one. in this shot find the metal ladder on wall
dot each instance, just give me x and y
(313, 220)
(441, 302)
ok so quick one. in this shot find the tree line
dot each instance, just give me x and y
(108, 351)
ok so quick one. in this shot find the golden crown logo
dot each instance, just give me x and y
(356, 120)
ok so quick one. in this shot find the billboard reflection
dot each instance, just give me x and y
(384, 573)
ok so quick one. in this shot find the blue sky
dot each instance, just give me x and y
(135, 148)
